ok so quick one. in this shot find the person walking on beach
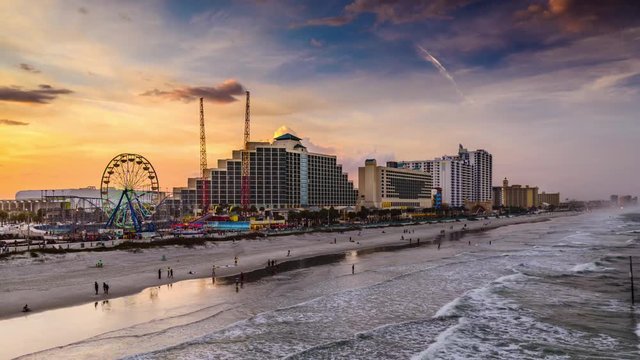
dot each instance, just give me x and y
(213, 271)
(105, 288)
(288, 252)
(353, 269)
(95, 285)
(235, 260)
(159, 273)
(172, 273)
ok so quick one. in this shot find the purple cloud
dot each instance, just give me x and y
(42, 95)
(222, 93)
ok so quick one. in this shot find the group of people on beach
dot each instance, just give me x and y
(169, 273)
(105, 287)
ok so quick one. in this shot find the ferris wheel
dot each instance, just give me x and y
(129, 191)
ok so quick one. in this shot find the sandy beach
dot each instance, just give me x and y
(60, 280)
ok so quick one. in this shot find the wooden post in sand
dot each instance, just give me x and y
(633, 300)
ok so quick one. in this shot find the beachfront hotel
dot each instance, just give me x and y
(393, 187)
(481, 163)
(517, 196)
(463, 179)
(283, 174)
(549, 198)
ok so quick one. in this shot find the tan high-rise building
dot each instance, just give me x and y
(516, 195)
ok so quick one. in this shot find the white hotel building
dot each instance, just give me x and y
(462, 178)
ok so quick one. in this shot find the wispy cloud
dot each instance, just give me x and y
(316, 43)
(12, 122)
(222, 93)
(396, 12)
(430, 58)
(29, 68)
(42, 95)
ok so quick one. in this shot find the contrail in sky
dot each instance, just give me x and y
(430, 58)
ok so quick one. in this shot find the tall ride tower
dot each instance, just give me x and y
(203, 160)
(245, 197)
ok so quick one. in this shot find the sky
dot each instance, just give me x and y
(550, 87)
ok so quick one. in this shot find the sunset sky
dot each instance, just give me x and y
(549, 87)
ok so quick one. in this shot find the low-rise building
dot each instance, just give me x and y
(87, 199)
(627, 200)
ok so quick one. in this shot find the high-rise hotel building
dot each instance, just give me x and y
(464, 178)
(283, 174)
(392, 187)
(481, 163)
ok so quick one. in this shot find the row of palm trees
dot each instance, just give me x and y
(20, 217)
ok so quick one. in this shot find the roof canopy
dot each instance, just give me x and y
(288, 136)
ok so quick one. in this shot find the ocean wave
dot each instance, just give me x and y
(440, 343)
(593, 266)
(448, 310)
(493, 324)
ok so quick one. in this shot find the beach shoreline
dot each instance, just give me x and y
(61, 280)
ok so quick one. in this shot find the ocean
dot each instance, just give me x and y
(552, 290)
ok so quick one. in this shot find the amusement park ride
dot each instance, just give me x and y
(130, 193)
(134, 180)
